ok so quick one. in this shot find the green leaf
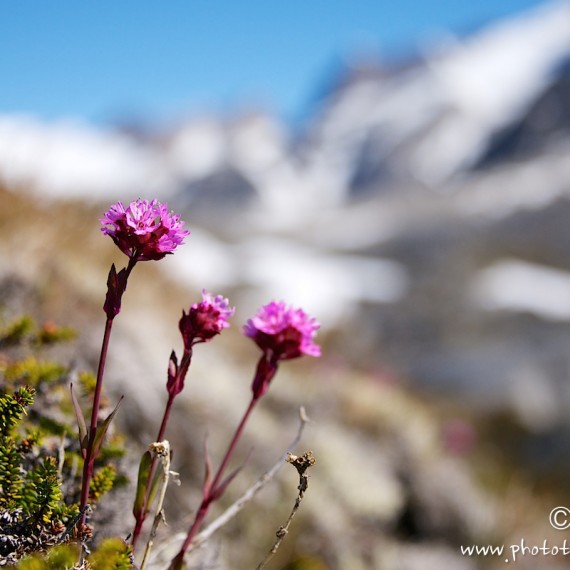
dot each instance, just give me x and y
(102, 430)
(144, 473)
(80, 422)
(208, 470)
(158, 477)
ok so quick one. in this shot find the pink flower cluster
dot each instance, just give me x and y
(283, 332)
(144, 230)
(206, 319)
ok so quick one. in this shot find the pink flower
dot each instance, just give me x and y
(283, 332)
(144, 230)
(206, 319)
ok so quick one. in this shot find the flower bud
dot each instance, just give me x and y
(205, 320)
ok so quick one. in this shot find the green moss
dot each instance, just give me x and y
(37, 423)
(12, 407)
(52, 334)
(24, 330)
(102, 482)
(11, 481)
(58, 558)
(34, 372)
(112, 554)
(88, 382)
(41, 493)
(17, 331)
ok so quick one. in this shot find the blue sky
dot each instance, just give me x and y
(159, 59)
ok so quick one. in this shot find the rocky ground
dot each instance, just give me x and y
(403, 478)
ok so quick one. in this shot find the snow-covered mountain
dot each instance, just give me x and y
(437, 117)
(72, 159)
(426, 121)
(423, 192)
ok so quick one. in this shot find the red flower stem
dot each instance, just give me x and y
(165, 417)
(232, 446)
(210, 494)
(141, 518)
(184, 365)
(89, 459)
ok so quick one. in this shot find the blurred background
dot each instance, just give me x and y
(399, 169)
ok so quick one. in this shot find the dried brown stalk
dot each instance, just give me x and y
(301, 463)
(161, 450)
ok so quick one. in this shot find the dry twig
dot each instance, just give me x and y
(301, 463)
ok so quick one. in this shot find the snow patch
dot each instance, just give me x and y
(520, 286)
(69, 159)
